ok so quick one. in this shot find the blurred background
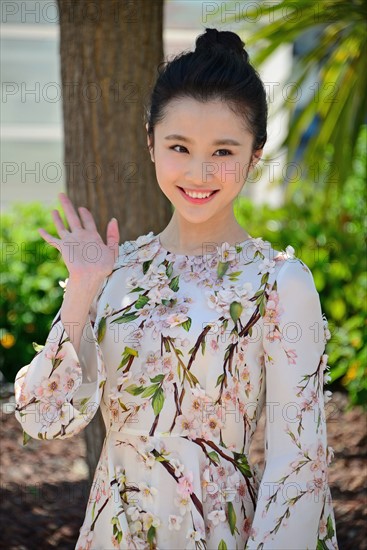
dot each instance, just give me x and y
(309, 191)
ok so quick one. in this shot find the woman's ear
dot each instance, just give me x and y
(149, 143)
(256, 156)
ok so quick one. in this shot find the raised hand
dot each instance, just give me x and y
(82, 248)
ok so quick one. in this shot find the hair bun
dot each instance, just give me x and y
(212, 39)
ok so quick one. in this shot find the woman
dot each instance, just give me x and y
(182, 338)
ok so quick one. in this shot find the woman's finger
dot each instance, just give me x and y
(87, 219)
(50, 239)
(59, 224)
(113, 236)
(70, 213)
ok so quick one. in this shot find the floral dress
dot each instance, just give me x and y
(182, 353)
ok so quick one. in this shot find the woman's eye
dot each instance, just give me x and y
(174, 147)
(225, 151)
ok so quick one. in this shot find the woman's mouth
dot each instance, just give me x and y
(198, 197)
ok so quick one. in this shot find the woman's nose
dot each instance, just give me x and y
(200, 171)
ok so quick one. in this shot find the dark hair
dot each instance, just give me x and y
(219, 68)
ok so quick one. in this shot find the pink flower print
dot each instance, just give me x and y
(194, 536)
(185, 486)
(153, 363)
(72, 376)
(187, 425)
(320, 451)
(52, 351)
(227, 396)
(316, 486)
(291, 356)
(167, 364)
(214, 424)
(176, 319)
(178, 467)
(149, 519)
(199, 392)
(86, 538)
(245, 375)
(242, 489)
(184, 504)
(213, 345)
(267, 266)
(196, 406)
(174, 522)
(132, 282)
(216, 516)
(315, 466)
(226, 252)
(147, 493)
(322, 528)
(181, 342)
(52, 386)
(307, 405)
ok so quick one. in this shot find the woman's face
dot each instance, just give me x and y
(201, 147)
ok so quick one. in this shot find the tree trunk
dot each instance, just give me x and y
(109, 56)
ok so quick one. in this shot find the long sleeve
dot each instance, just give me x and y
(294, 509)
(59, 392)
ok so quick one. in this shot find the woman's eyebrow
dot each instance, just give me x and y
(222, 141)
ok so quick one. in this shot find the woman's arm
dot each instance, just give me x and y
(294, 498)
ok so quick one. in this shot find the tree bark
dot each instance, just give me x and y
(109, 56)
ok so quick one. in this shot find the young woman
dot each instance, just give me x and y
(183, 337)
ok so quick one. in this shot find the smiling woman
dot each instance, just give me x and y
(183, 350)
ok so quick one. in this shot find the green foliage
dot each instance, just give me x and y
(332, 242)
(338, 98)
(30, 291)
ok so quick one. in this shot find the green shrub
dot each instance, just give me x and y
(30, 290)
(332, 243)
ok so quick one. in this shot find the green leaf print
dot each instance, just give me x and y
(101, 330)
(151, 534)
(169, 270)
(242, 464)
(37, 347)
(321, 545)
(126, 318)
(233, 276)
(141, 302)
(148, 392)
(203, 346)
(26, 438)
(262, 307)
(330, 528)
(146, 266)
(158, 401)
(222, 268)
(134, 389)
(214, 456)
(222, 545)
(235, 309)
(231, 517)
(157, 378)
(174, 283)
(219, 379)
(187, 324)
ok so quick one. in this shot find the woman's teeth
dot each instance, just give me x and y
(195, 195)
